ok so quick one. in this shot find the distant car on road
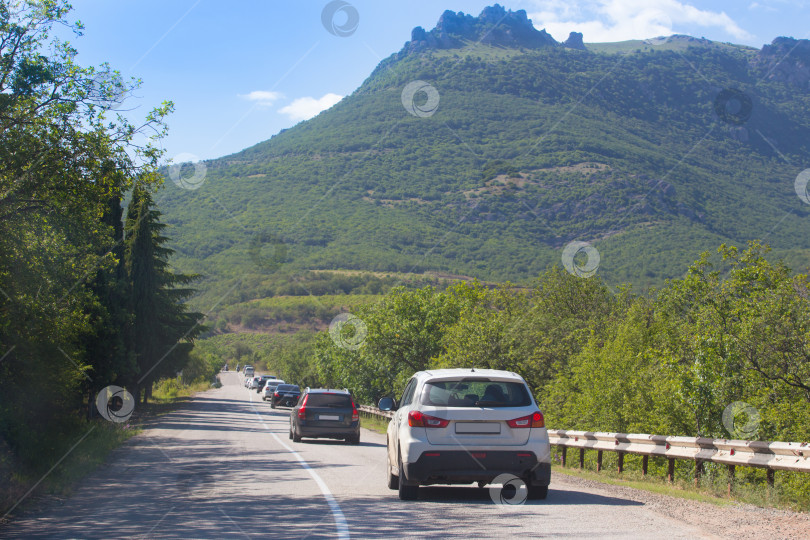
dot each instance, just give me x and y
(325, 413)
(458, 426)
(269, 388)
(285, 395)
(264, 379)
(253, 382)
(248, 371)
(247, 381)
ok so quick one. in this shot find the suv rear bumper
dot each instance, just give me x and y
(328, 432)
(460, 467)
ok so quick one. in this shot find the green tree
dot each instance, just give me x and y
(533, 332)
(64, 159)
(404, 332)
(106, 345)
(163, 329)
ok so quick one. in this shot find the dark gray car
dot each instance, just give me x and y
(325, 413)
(285, 395)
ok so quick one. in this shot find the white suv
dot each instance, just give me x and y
(458, 426)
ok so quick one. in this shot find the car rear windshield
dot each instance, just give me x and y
(474, 392)
(288, 388)
(329, 400)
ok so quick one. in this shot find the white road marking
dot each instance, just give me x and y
(337, 513)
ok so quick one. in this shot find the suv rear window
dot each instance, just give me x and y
(329, 400)
(475, 392)
(288, 388)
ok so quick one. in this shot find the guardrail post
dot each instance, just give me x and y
(598, 460)
(769, 476)
(564, 451)
(621, 461)
(730, 479)
(698, 471)
(671, 470)
(644, 462)
(581, 458)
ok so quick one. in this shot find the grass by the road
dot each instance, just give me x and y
(171, 391)
(374, 423)
(631, 480)
(710, 489)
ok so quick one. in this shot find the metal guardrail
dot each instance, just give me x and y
(374, 411)
(786, 456)
(772, 456)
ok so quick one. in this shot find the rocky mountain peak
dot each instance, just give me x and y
(786, 60)
(574, 41)
(494, 26)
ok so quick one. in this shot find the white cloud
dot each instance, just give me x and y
(619, 20)
(757, 5)
(306, 107)
(262, 98)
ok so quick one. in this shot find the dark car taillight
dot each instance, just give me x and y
(355, 414)
(302, 412)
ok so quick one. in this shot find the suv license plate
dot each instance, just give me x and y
(328, 417)
(478, 427)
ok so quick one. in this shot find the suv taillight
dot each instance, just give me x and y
(420, 419)
(302, 412)
(355, 414)
(533, 420)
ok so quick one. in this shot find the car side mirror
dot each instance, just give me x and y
(387, 404)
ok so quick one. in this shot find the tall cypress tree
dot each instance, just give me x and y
(163, 329)
(107, 345)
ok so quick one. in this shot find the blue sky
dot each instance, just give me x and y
(239, 72)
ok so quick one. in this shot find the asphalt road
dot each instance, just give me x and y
(223, 466)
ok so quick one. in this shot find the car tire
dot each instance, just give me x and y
(296, 437)
(537, 492)
(393, 481)
(272, 403)
(354, 439)
(291, 432)
(407, 491)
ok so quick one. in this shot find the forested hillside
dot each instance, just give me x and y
(652, 152)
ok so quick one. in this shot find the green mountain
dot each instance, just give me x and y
(484, 147)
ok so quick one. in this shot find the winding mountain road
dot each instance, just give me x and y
(222, 466)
